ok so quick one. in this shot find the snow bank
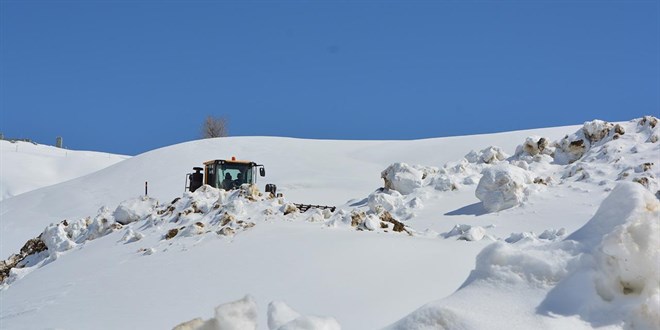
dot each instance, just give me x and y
(56, 239)
(605, 273)
(242, 315)
(502, 187)
(65, 235)
(207, 210)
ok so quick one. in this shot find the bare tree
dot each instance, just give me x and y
(214, 127)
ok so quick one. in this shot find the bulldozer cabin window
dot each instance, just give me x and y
(232, 176)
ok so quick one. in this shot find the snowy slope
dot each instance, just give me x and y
(26, 166)
(182, 258)
(306, 171)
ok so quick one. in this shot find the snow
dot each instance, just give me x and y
(502, 187)
(134, 209)
(243, 315)
(577, 247)
(402, 178)
(606, 273)
(42, 165)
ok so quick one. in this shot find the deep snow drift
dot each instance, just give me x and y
(606, 273)
(540, 261)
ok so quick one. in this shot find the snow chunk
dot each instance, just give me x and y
(402, 178)
(242, 315)
(488, 155)
(280, 314)
(466, 232)
(548, 235)
(553, 234)
(190, 325)
(596, 130)
(134, 209)
(206, 197)
(571, 148)
(372, 222)
(312, 323)
(502, 186)
(56, 239)
(443, 182)
(385, 200)
(238, 315)
(283, 317)
(533, 145)
(315, 215)
(130, 236)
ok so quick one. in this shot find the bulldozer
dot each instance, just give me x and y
(231, 174)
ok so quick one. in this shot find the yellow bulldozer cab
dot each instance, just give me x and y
(229, 174)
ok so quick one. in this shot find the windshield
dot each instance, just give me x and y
(233, 175)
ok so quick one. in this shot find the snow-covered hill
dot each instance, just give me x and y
(562, 223)
(25, 166)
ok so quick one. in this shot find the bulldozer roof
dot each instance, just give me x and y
(232, 161)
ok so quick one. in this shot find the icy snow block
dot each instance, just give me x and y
(312, 323)
(237, 315)
(502, 186)
(56, 239)
(402, 178)
(279, 314)
(134, 209)
(386, 200)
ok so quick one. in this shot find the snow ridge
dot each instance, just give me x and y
(600, 153)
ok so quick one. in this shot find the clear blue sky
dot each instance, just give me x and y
(131, 76)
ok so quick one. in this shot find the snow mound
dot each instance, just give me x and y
(605, 273)
(242, 315)
(619, 263)
(502, 187)
(207, 210)
(56, 239)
